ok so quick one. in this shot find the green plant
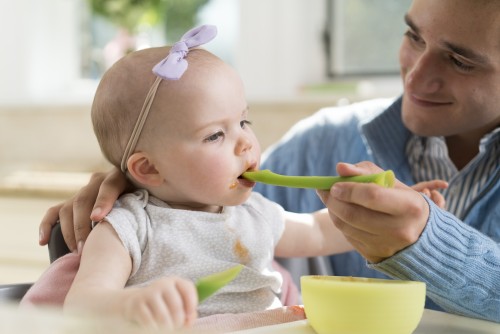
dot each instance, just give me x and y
(176, 15)
(180, 15)
(128, 14)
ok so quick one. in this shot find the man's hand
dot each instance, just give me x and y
(91, 203)
(377, 221)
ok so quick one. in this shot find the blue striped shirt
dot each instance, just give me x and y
(429, 159)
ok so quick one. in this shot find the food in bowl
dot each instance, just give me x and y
(355, 305)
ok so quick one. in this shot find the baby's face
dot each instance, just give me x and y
(203, 141)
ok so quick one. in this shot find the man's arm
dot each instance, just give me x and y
(407, 236)
(460, 265)
(91, 203)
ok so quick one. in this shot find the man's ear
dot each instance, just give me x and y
(143, 170)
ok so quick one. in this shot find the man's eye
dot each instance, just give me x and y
(412, 36)
(461, 66)
(216, 136)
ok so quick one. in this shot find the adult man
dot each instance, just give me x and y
(446, 125)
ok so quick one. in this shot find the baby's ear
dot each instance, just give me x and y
(143, 170)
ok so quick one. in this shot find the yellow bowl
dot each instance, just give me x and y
(354, 305)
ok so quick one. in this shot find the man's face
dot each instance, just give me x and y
(450, 65)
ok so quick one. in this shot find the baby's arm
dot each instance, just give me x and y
(430, 189)
(311, 235)
(99, 287)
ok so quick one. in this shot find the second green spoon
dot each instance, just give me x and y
(208, 285)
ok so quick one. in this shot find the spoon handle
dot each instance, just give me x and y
(385, 179)
(208, 285)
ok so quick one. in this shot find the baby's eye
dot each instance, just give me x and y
(215, 137)
(244, 123)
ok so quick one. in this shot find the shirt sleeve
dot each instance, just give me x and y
(129, 220)
(271, 212)
(460, 265)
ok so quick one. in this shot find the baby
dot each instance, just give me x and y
(182, 135)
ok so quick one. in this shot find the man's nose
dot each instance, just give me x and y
(426, 75)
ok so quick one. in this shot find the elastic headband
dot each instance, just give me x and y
(170, 68)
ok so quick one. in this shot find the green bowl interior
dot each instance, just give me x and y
(356, 305)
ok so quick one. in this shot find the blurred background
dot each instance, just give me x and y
(295, 56)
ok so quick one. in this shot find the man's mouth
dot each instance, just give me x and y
(424, 102)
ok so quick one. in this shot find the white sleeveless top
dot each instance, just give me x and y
(163, 241)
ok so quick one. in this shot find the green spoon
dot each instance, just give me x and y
(385, 179)
(208, 285)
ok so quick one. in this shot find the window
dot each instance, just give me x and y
(112, 28)
(363, 36)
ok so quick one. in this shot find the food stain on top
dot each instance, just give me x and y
(241, 252)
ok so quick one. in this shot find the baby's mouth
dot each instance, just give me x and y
(243, 181)
(249, 169)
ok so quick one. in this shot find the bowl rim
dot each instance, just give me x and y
(354, 280)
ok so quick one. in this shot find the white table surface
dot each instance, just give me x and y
(432, 322)
(23, 321)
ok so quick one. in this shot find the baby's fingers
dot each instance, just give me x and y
(426, 192)
(430, 185)
(437, 198)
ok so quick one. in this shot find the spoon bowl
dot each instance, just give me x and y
(208, 285)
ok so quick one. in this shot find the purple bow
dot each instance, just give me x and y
(174, 65)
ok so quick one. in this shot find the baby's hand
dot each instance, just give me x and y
(169, 302)
(429, 188)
